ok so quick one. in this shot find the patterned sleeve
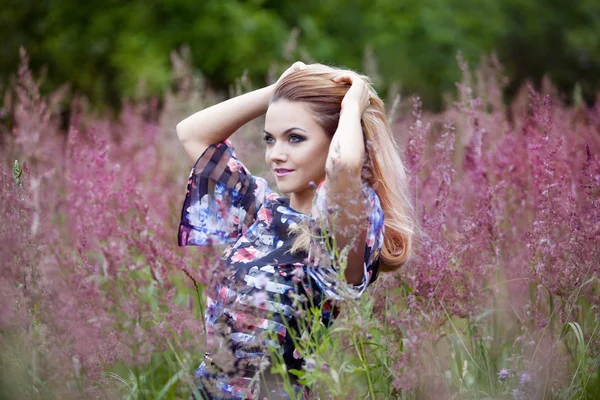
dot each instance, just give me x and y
(222, 198)
(324, 276)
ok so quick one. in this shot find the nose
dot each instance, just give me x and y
(278, 153)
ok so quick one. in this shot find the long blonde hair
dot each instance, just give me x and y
(313, 85)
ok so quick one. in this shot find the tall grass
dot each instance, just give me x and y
(500, 300)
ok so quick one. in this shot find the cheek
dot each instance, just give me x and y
(316, 159)
(322, 152)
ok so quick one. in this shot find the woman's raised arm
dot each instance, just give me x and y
(344, 165)
(216, 123)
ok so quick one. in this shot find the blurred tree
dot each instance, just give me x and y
(417, 41)
(554, 37)
(105, 47)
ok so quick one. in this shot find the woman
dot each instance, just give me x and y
(333, 156)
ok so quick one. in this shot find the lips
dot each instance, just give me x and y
(281, 172)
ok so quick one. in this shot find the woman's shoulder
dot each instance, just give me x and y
(369, 193)
(263, 191)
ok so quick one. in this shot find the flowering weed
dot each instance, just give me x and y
(500, 299)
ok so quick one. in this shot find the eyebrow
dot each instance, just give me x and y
(287, 130)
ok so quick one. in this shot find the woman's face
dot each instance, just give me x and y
(296, 146)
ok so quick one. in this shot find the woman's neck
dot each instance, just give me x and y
(302, 201)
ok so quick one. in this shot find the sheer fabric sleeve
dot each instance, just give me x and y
(325, 274)
(222, 198)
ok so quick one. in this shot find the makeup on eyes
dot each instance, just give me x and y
(292, 137)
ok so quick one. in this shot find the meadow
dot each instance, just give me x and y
(500, 300)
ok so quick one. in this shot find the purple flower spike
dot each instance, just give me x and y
(503, 375)
(525, 378)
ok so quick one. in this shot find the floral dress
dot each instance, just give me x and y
(254, 294)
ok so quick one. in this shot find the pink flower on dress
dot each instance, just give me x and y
(246, 254)
(265, 214)
(259, 299)
(233, 165)
(262, 281)
(298, 273)
(297, 355)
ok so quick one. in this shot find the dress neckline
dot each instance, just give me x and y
(286, 202)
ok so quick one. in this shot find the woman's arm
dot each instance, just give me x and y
(344, 165)
(217, 123)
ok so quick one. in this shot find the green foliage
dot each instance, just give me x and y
(555, 37)
(17, 172)
(103, 48)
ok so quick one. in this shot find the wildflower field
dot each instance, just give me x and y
(500, 301)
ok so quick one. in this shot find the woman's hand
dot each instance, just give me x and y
(359, 94)
(297, 66)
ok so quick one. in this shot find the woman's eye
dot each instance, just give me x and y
(291, 139)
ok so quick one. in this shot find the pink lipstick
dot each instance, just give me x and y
(281, 172)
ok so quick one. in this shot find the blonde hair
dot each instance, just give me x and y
(385, 172)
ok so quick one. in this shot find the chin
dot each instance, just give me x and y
(284, 189)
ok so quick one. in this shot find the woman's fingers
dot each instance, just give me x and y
(344, 77)
(298, 65)
(358, 93)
